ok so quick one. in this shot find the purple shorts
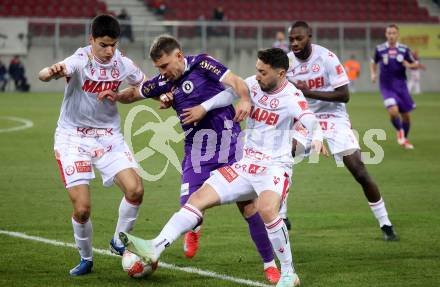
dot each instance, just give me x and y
(399, 97)
(192, 180)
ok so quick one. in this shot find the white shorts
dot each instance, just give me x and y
(78, 151)
(338, 133)
(244, 180)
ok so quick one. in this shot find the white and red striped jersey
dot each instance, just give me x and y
(322, 71)
(87, 76)
(269, 127)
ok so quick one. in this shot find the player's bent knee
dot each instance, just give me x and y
(135, 193)
(267, 212)
(81, 214)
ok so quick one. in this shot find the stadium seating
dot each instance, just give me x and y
(311, 10)
(52, 9)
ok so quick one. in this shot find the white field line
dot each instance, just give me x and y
(193, 270)
(26, 124)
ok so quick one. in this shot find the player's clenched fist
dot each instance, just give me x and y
(166, 100)
(55, 71)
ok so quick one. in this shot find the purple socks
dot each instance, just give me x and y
(260, 238)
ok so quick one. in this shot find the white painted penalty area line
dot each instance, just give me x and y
(162, 264)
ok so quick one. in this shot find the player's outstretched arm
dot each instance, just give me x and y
(240, 88)
(126, 96)
(413, 65)
(340, 94)
(55, 71)
(195, 114)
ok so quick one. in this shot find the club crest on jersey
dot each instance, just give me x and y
(187, 87)
(102, 72)
(315, 68)
(399, 58)
(303, 69)
(276, 180)
(274, 103)
(115, 73)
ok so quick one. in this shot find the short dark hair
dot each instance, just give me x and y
(105, 25)
(163, 44)
(393, 26)
(301, 24)
(275, 57)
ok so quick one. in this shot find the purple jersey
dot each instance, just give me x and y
(391, 60)
(392, 81)
(216, 133)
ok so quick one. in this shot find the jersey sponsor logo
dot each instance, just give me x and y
(69, 170)
(92, 71)
(339, 69)
(254, 154)
(303, 69)
(187, 87)
(83, 166)
(115, 73)
(274, 103)
(392, 52)
(315, 68)
(330, 54)
(98, 153)
(251, 168)
(261, 115)
(262, 100)
(94, 132)
(210, 67)
(303, 105)
(385, 59)
(147, 87)
(316, 83)
(95, 87)
(228, 173)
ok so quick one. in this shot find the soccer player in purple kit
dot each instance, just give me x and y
(191, 81)
(393, 59)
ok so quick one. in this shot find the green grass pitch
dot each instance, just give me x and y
(336, 241)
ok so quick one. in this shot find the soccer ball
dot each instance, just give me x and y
(135, 267)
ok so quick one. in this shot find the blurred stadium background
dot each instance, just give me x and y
(45, 31)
